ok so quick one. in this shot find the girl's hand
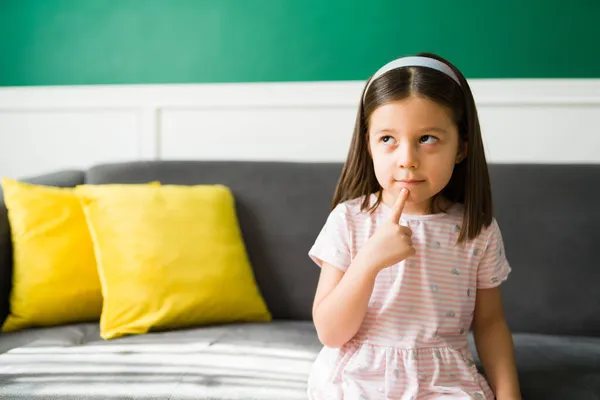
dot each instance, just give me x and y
(392, 242)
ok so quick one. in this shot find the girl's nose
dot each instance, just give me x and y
(407, 157)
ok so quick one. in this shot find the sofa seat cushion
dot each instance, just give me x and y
(558, 367)
(238, 361)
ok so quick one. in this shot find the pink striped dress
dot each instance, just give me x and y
(413, 341)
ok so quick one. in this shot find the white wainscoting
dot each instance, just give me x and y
(44, 129)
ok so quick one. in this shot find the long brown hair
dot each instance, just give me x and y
(470, 181)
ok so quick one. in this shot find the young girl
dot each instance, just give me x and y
(411, 257)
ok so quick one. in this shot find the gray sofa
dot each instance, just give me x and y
(549, 216)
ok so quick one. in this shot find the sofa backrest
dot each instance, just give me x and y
(548, 215)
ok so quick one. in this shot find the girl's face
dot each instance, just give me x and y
(415, 144)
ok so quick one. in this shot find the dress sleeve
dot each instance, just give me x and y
(493, 268)
(332, 244)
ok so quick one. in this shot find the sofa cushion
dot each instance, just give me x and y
(169, 257)
(558, 367)
(256, 361)
(67, 178)
(55, 279)
(243, 361)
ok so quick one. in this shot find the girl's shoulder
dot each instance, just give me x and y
(353, 214)
(362, 214)
(353, 205)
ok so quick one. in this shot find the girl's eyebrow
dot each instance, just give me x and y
(434, 129)
(385, 130)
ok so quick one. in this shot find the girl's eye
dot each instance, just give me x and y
(428, 139)
(387, 139)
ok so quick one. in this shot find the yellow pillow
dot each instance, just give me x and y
(170, 257)
(55, 279)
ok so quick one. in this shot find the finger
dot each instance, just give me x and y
(399, 206)
(407, 231)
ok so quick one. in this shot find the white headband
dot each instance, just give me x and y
(414, 61)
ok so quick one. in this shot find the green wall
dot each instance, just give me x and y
(68, 42)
